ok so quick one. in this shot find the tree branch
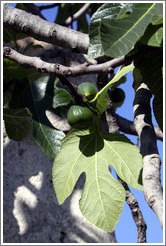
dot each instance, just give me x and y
(136, 213)
(77, 15)
(42, 30)
(34, 9)
(124, 125)
(49, 6)
(58, 69)
(130, 199)
(128, 127)
(151, 160)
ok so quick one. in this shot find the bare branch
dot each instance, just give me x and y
(136, 213)
(77, 15)
(58, 69)
(49, 6)
(151, 160)
(128, 127)
(34, 9)
(42, 30)
(111, 119)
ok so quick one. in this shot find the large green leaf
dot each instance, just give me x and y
(37, 98)
(119, 36)
(114, 36)
(109, 11)
(150, 68)
(16, 123)
(103, 197)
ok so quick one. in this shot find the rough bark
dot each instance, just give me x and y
(36, 27)
(151, 160)
(58, 69)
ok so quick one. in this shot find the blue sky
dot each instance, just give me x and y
(126, 231)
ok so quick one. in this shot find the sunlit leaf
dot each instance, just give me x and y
(118, 37)
(103, 197)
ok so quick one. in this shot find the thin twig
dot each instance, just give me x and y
(136, 213)
(130, 199)
(49, 6)
(34, 9)
(77, 15)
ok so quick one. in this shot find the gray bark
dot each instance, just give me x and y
(151, 160)
(36, 27)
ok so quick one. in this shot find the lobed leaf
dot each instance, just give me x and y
(118, 37)
(103, 197)
(115, 35)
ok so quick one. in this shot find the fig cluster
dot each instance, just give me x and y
(81, 117)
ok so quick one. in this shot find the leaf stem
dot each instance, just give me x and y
(121, 71)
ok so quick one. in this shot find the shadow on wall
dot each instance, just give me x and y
(31, 213)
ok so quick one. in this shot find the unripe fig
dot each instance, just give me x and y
(117, 97)
(88, 89)
(79, 117)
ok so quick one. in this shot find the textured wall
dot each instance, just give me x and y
(31, 211)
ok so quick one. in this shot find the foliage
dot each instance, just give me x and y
(115, 30)
(92, 152)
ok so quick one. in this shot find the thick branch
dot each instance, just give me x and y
(42, 30)
(151, 160)
(77, 15)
